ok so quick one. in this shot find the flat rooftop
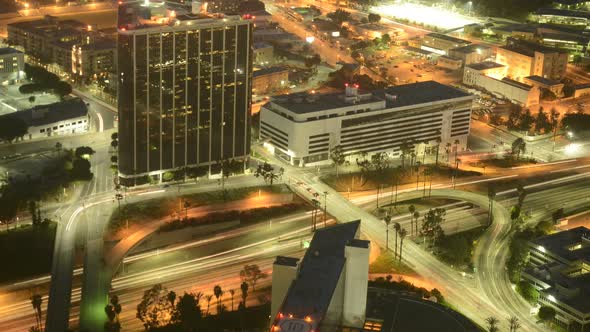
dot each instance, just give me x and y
(563, 12)
(52, 113)
(470, 48)
(542, 80)
(485, 65)
(402, 312)
(8, 50)
(560, 243)
(303, 102)
(420, 93)
(268, 71)
(320, 269)
(528, 48)
(447, 38)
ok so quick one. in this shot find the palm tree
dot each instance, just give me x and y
(58, 147)
(438, 141)
(208, 299)
(171, 297)
(412, 159)
(416, 216)
(218, 293)
(396, 227)
(491, 196)
(387, 220)
(492, 324)
(402, 235)
(456, 148)
(514, 323)
(36, 302)
(412, 210)
(232, 292)
(448, 151)
(244, 288)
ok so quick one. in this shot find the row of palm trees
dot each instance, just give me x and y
(493, 322)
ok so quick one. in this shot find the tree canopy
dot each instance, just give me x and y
(12, 128)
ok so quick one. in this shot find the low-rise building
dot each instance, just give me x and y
(490, 76)
(327, 291)
(523, 58)
(223, 6)
(582, 90)
(61, 118)
(542, 83)
(444, 61)
(263, 54)
(269, 79)
(53, 41)
(572, 4)
(440, 43)
(579, 18)
(375, 30)
(94, 59)
(302, 128)
(12, 65)
(559, 267)
(473, 53)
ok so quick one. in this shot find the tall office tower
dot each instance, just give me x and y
(184, 90)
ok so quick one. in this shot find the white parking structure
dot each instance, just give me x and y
(304, 128)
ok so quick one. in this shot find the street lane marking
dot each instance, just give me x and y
(569, 169)
(546, 164)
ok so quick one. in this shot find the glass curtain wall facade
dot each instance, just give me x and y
(184, 97)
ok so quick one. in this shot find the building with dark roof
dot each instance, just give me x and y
(560, 269)
(61, 118)
(328, 288)
(473, 53)
(579, 18)
(393, 311)
(302, 128)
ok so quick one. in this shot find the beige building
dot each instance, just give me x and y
(524, 59)
(542, 83)
(473, 53)
(441, 44)
(269, 80)
(263, 54)
(96, 58)
(12, 64)
(489, 76)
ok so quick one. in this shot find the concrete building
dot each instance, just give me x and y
(223, 6)
(327, 290)
(490, 76)
(185, 86)
(440, 43)
(97, 58)
(62, 118)
(263, 54)
(582, 90)
(302, 128)
(524, 59)
(572, 4)
(559, 267)
(444, 61)
(12, 65)
(473, 53)
(269, 79)
(578, 18)
(68, 46)
(542, 83)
